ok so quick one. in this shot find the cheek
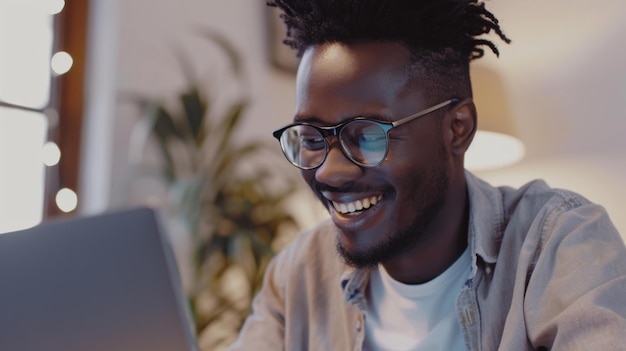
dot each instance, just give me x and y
(417, 154)
(416, 174)
(308, 177)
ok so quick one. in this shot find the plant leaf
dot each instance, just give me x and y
(227, 126)
(195, 109)
(164, 130)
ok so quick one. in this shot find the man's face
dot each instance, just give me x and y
(399, 198)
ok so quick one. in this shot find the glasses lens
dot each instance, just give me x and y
(303, 145)
(365, 141)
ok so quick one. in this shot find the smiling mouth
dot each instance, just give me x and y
(356, 206)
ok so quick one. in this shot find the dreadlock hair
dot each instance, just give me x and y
(441, 35)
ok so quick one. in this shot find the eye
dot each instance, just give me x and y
(374, 137)
(372, 141)
(365, 135)
(312, 142)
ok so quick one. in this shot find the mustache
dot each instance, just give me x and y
(351, 187)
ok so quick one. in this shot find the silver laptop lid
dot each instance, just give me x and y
(99, 283)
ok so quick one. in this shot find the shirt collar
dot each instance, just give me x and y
(486, 220)
(354, 282)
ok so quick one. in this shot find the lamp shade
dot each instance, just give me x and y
(496, 143)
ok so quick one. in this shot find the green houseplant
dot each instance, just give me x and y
(229, 194)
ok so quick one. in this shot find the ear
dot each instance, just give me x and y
(462, 126)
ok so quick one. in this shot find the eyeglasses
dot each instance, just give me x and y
(364, 141)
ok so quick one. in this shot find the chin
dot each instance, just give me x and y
(367, 257)
(368, 249)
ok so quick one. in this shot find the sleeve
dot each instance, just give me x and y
(264, 328)
(576, 295)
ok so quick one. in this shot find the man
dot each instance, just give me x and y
(429, 257)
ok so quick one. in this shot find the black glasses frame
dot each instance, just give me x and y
(328, 131)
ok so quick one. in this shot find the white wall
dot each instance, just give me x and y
(566, 80)
(564, 75)
(144, 36)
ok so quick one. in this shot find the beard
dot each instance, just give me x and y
(405, 239)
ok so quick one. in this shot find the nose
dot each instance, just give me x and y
(337, 169)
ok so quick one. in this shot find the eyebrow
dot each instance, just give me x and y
(319, 122)
(308, 119)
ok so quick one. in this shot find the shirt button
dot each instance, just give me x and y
(357, 325)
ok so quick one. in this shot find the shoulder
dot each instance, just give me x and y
(577, 268)
(311, 243)
(535, 194)
(535, 216)
(311, 254)
(528, 204)
(539, 193)
(551, 209)
(564, 230)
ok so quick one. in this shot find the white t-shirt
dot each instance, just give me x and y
(415, 317)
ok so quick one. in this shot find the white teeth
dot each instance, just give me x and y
(357, 205)
(351, 207)
(340, 207)
(366, 203)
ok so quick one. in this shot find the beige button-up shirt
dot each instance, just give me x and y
(548, 273)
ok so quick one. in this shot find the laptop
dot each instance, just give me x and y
(98, 283)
